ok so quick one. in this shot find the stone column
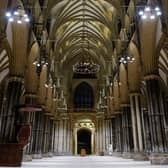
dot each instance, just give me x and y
(38, 135)
(118, 129)
(60, 141)
(113, 134)
(65, 136)
(45, 138)
(50, 139)
(103, 134)
(56, 143)
(137, 127)
(29, 118)
(157, 121)
(127, 131)
(100, 136)
(107, 134)
(166, 117)
(68, 138)
(53, 136)
(8, 130)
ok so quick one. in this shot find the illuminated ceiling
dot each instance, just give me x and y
(85, 26)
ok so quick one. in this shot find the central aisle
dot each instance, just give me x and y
(88, 162)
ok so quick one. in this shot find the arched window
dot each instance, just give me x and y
(83, 96)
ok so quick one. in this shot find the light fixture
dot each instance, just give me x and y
(19, 16)
(8, 14)
(19, 22)
(11, 19)
(85, 65)
(125, 57)
(147, 9)
(144, 16)
(46, 85)
(150, 12)
(42, 60)
(16, 13)
(152, 17)
(141, 13)
(157, 8)
(159, 13)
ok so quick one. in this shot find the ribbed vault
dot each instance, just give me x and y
(83, 27)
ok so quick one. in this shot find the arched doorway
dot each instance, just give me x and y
(84, 140)
(83, 96)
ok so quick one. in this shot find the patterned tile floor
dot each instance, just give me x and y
(88, 162)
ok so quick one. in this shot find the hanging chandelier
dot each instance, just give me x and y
(150, 12)
(125, 59)
(18, 16)
(85, 67)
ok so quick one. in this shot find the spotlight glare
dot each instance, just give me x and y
(35, 62)
(159, 13)
(124, 61)
(46, 85)
(157, 9)
(19, 22)
(8, 14)
(152, 17)
(141, 13)
(147, 9)
(11, 19)
(144, 16)
(27, 19)
(128, 58)
(16, 13)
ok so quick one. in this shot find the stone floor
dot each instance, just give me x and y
(88, 162)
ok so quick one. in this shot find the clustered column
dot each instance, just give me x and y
(100, 136)
(8, 125)
(63, 137)
(157, 119)
(117, 130)
(137, 125)
(127, 131)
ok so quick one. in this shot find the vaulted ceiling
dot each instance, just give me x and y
(92, 27)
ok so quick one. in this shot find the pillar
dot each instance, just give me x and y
(38, 135)
(137, 126)
(157, 121)
(118, 133)
(8, 130)
(126, 131)
(29, 118)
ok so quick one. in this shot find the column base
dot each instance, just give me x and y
(27, 158)
(159, 159)
(37, 156)
(140, 156)
(49, 154)
(62, 154)
(117, 154)
(127, 155)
